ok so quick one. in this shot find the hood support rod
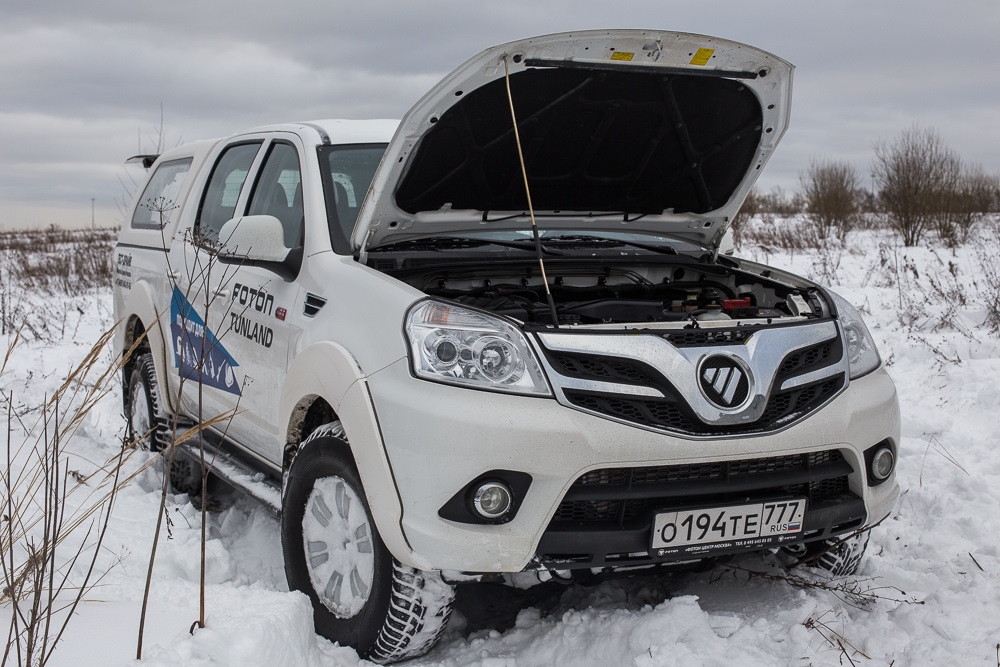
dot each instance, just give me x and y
(527, 192)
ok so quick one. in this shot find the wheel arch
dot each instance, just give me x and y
(309, 413)
(142, 318)
(326, 381)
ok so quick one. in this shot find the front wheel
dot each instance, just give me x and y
(839, 556)
(361, 596)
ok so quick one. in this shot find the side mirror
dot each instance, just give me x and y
(257, 238)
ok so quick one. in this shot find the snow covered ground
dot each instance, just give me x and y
(929, 588)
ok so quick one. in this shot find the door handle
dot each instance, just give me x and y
(220, 293)
(178, 280)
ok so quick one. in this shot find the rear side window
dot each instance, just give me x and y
(159, 199)
(223, 190)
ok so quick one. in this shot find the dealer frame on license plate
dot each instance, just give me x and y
(733, 527)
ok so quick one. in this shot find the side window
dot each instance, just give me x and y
(159, 199)
(223, 190)
(278, 192)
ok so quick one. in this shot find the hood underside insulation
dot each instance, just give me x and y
(635, 142)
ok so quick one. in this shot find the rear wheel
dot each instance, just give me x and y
(148, 428)
(361, 596)
(146, 423)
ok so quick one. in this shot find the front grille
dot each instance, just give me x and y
(621, 496)
(606, 369)
(702, 337)
(787, 406)
(810, 358)
(669, 414)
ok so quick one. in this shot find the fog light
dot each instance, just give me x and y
(492, 500)
(882, 463)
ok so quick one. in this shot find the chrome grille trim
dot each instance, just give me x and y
(764, 354)
(610, 387)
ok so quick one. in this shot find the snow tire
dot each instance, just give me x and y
(840, 557)
(148, 426)
(147, 422)
(406, 610)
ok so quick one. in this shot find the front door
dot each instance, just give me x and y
(250, 307)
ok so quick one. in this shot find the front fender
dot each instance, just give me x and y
(329, 371)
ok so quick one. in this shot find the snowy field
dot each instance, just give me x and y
(927, 594)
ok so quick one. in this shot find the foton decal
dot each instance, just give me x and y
(258, 299)
(197, 349)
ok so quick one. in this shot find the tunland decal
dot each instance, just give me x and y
(251, 330)
(198, 354)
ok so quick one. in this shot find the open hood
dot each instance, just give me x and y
(636, 131)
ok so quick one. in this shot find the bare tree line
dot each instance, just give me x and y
(921, 186)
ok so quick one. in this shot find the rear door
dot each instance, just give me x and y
(208, 378)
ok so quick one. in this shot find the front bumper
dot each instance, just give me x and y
(439, 438)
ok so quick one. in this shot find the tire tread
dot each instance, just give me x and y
(160, 437)
(418, 615)
(842, 557)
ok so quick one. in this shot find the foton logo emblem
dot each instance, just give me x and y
(724, 381)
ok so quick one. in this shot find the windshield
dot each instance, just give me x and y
(347, 172)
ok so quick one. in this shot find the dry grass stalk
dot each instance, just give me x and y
(36, 579)
(198, 273)
(857, 593)
(834, 638)
(81, 396)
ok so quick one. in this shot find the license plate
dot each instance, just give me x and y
(736, 526)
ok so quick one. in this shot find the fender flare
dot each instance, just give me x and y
(329, 371)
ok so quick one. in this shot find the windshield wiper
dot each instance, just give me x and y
(602, 240)
(459, 242)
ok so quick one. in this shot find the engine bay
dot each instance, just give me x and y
(665, 295)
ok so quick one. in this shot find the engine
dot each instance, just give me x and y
(632, 295)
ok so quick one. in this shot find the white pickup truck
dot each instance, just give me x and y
(434, 377)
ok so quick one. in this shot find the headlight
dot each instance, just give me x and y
(861, 352)
(466, 347)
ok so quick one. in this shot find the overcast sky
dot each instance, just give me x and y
(82, 81)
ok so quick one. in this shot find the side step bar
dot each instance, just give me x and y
(235, 472)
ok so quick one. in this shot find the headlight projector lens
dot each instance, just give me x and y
(496, 358)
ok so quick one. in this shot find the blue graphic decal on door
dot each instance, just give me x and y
(196, 348)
